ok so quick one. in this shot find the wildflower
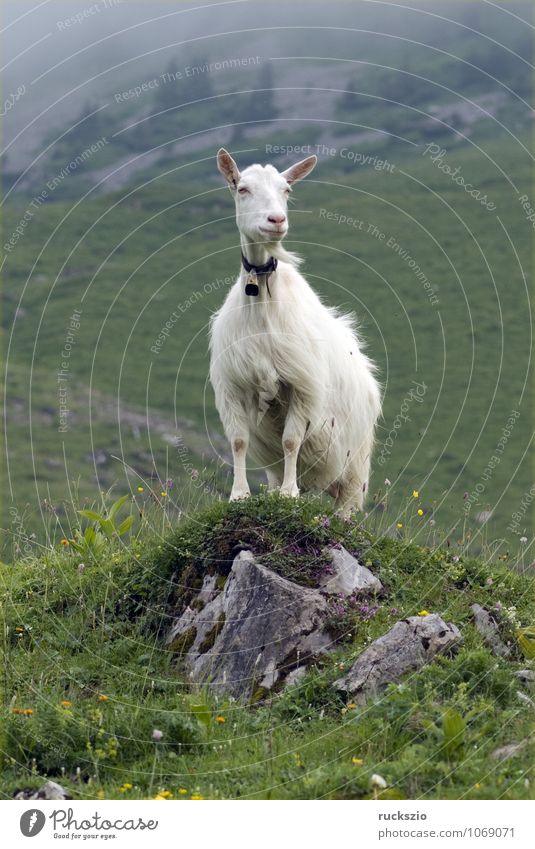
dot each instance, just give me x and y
(169, 483)
(163, 493)
(351, 706)
(423, 613)
(182, 791)
(377, 782)
(388, 482)
(124, 788)
(357, 761)
(420, 511)
(523, 539)
(22, 711)
(64, 541)
(141, 489)
(399, 524)
(157, 734)
(477, 786)
(415, 493)
(19, 630)
(196, 796)
(103, 698)
(66, 703)
(220, 719)
(455, 559)
(163, 794)
(81, 568)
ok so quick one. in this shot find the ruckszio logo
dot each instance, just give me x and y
(32, 822)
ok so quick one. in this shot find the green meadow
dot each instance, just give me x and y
(439, 281)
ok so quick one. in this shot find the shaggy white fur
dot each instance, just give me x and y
(291, 383)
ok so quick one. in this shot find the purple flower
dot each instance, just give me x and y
(157, 734)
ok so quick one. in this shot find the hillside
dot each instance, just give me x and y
(127, 261)
(88, 679)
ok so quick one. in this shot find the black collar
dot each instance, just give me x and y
(254, 271)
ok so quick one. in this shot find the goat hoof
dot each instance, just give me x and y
(289, 491)
(237, 494)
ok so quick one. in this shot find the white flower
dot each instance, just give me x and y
(523, 539)
(377, 782)
(388, 482)
(157, 734)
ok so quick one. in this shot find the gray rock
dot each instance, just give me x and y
(409, 645)
(348, 575)
(509, 751)
(525, 699)
(488, 628)
(526, 675)
(50, 790)
(254, 633)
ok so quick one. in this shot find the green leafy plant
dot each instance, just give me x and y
(453, 729)
(90, 543)
(526, 640)
(107, 523)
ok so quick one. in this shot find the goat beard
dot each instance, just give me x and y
(279, 252)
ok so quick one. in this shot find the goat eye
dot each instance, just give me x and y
(243, 191)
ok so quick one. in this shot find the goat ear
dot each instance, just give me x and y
(228, 168)
(300, 169)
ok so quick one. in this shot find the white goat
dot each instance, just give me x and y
(291, 383)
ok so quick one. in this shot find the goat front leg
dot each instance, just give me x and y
(240, 487)
(292, 439)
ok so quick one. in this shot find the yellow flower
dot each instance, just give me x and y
(197, 796)
(182, 791)
(357, 761)
(477, 786)
(22, 711)
(415, 493)
(64, 541)
(102, 698)
(66, 703)
(163, 493)
(399, 524)
(423, 613)
(163, 794)
(420, 512)
(124, 788)
(351, 706)
(220, 719)
(141, 489)
(19, 630)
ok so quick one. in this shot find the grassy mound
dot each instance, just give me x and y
(87, 680)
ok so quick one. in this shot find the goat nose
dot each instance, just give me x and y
(277, 219)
